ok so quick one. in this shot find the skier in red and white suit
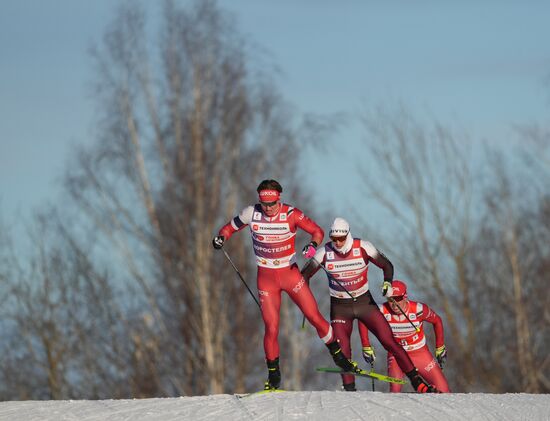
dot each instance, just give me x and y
(413, 340)
(273, 228)
(345, 260)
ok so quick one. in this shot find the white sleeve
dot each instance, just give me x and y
(243, 218)
(370, 249)
(319, 254)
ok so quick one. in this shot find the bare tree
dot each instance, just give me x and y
(471, 249)
(422, 178)
(185, 136)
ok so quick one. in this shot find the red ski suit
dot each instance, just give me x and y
(413, 342)
(273, 241)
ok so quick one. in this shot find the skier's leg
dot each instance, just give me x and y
(394, 371)
(378, 325)
(299, 291)
(343, 326)
(429, 369)
(269, 294)
(270, 299)
(301, 294)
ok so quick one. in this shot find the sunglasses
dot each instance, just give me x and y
(397, 299)
(339, 239)
(268, 204)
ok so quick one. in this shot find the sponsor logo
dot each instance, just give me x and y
(338, 321)
(330, 266)
(388, 317)
(264, 293)
(257, 216)
(431, 365)
(356, 252)
(345, 284)
(299, 285)
(268, 193)
(412, 316)
(330, 255)
(276, 262)
(282, 217)
(345, 265)
(272, 249)
(255, 227)
(338, 231)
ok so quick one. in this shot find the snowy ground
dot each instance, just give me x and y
(315, 406)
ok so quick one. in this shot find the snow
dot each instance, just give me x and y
(319, 405)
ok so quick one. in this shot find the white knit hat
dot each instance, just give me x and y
(339, 228)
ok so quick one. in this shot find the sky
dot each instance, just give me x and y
(479, 65)
(311, 406)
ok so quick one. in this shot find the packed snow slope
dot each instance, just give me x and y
(323, 405)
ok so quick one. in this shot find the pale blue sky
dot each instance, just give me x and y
(480, 65)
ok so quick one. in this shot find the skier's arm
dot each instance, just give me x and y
(309, 226)
(313, 264)
(378, 258)
(310, 269)
(237, 223)
(363, 334)
(368, 351)
(432, 317)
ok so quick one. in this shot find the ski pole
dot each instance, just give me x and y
(416, 328)
(338, 282)
(242, 279)
(372, 378)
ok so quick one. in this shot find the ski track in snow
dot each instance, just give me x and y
(313, 406)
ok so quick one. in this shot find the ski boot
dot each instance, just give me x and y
(349, 387)
(419, 384)
(274, 375)
(340, 359)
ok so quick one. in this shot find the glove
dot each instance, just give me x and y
(369, 355)
(309, 250)
(218, 241)
(441, 355)
(387, 290)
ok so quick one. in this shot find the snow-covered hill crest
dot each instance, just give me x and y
(323, 405)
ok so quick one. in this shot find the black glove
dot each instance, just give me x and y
(218, 241)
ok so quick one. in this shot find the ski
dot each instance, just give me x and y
(362, 373)
(261, 392)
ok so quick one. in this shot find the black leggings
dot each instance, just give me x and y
(342, 313)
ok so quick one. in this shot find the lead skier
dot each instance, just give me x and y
(273, 227)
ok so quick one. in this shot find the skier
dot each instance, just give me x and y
(345, 260)
(413, 340)
(273, 226)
